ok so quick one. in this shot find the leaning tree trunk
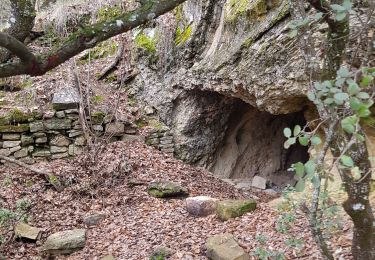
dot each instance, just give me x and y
(22, 22)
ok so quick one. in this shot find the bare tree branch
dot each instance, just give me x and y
(89, 37)
(16, 47)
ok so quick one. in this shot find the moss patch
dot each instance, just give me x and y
(227, 209)
(14, 128)
(145, 42)
(166, 189)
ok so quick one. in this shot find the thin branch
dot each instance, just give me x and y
(16, 47)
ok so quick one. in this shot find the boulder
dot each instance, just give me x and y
(65, 242)
(166, 189)
(201, 205)
(227, 209)
(224, 247)
(259, 182)
(23, 230)
(66, 98)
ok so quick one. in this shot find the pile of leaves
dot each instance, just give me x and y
(135, 223)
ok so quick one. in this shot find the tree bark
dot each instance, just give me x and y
(89, 37)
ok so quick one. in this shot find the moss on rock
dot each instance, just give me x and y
(14, 128)
(227, 209)
(166, 189)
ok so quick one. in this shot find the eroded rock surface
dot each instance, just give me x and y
(65, 242)
(227, 209)
(224, 247)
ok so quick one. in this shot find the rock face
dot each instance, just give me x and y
(201, 205)
(65, 242)
(166, 189)
(227, 209)
(224, 247)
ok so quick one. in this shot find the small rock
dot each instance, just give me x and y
(59, 140)
(72, 111)
(259, 182)
(42, 153)
(5, 152)
(75, 150)
(108, 257)
(74, 133)
(11, 137)
(166, 189)
(65, 242)
(224, 247)
(41, 140)
(130, 138)
(80, 141)
(60, 114)
(98, 128)
(21, 153)
(201, 205)
(244, 184)
(48, 114)
(148, 110)
(26, 140)
(94, 219)
(59, 156)
(66, 98)
(36, 126)
(15, 149)
(58, 149)
(116, 128)
(23, 230)
(271, 192)
(10, 144)
(229, 181)
(227, 209)
(58, 124)
(161, 253)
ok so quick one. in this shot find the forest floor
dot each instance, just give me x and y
(136, 223)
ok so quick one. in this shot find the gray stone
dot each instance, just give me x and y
(75, 150)
(94, 219)
(58, 124)
(201, 205)
(41, 140)
(74, 133)
(259, 182)
(72, 111)
(244, 184)
(36, 126)
(48, 114)
(30, 148)
(224, 247)
(58, 149)
(11, 137)
(26, 140)
(131, 131)
(15, 149)
(115, 128)
(21, 153)
(5, 152)
(80, 141)
(23, 230)
(27, 160)
(130, 138)
(60, 114)
(41, 153)
(227, 209)
(59, 140)
(166, 189)
(108, 257)
(10, 144)
(65, 242)
(56, 156)
(39, 134)
(66, 98)
(149, 110)
(98, 128)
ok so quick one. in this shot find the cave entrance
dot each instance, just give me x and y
(253, 145)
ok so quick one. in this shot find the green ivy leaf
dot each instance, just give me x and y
(341, 96)
(348, 124)
(315, 140)
(287, 132)
(363, 95)
(310, 169)
(311, 96)
(300, 186)
(296, 130)
(366, 81)
(347, 161)
(299, 169)
(304, 141)
(355, 103)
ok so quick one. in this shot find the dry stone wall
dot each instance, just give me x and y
(57, 133)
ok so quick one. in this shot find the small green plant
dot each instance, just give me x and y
(108, 13)
(262, 239)
(97, 99)
(264, 254)
(182, 35)
(145, 42)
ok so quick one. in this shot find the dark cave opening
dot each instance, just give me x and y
(253, 145)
